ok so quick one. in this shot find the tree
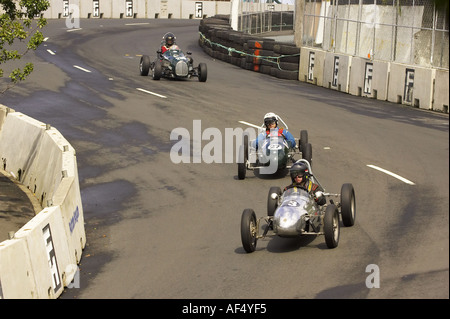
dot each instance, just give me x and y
(20, 23)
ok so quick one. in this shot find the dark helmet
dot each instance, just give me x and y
(270, 118)
(299, 169)
(169, 39)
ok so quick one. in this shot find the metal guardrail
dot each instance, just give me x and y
(267, 21)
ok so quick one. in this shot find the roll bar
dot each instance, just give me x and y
(315, 180)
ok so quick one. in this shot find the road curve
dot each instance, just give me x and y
(161, 230)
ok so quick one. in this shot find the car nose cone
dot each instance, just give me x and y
(181, 68)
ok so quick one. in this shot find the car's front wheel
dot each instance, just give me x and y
(307, 153)
(144, 65)
(331, 226)
(243, 158)
(348, 205)
(157, 70)
(202, 72)
(249, 230)
(303, 140)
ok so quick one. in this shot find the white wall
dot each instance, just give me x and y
(42, 257)
(151, 9)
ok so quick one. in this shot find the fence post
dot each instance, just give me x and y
(298, 22)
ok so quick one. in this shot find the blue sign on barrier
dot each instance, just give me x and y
(74, 220)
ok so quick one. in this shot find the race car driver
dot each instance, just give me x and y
(271, 122)
(169, 42)
(300, 178)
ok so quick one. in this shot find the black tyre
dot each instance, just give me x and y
(272, 204)
(157, 70)
(243, 158)
(307, 153)
(288, 66)
(249, 230)
(202, 72)
(331, 226)
(348, 205)
(303, 139)
(287, 75)
(241, 166)
(144, 65)
(286, 49)
(266, 69)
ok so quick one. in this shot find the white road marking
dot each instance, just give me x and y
(137, 23)
(45, 39)
(392, 174)
(82, 69)
(51, 52)
(153, 93)
(249, 124)
(74, 29)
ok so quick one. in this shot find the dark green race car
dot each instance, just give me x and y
(172, 64)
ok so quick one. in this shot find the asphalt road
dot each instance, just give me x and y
(17, 205)
(161, 230)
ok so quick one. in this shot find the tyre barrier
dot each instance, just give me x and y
(41, 258)
(250, 52)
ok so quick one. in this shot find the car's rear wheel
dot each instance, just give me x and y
(249, 230)
(202, 72)
(144, 65)
(157, 70)
(331, 226)
(348, 205)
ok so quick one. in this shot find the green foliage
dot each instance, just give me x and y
(20, 22)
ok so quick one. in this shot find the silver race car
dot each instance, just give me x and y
(295, 213)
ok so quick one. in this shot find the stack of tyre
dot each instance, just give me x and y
(250, 52)
(288, 61)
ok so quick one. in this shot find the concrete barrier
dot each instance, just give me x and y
(441, 86)
(312, 63)
(411, 85)
(50, 245)
(48, 251)
(336, 73)
(123, 9)
(369, 78)
(354, 75)
(16, 274)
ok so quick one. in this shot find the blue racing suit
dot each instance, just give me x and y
(281, 132)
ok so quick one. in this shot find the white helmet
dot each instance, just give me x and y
(269, 118)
